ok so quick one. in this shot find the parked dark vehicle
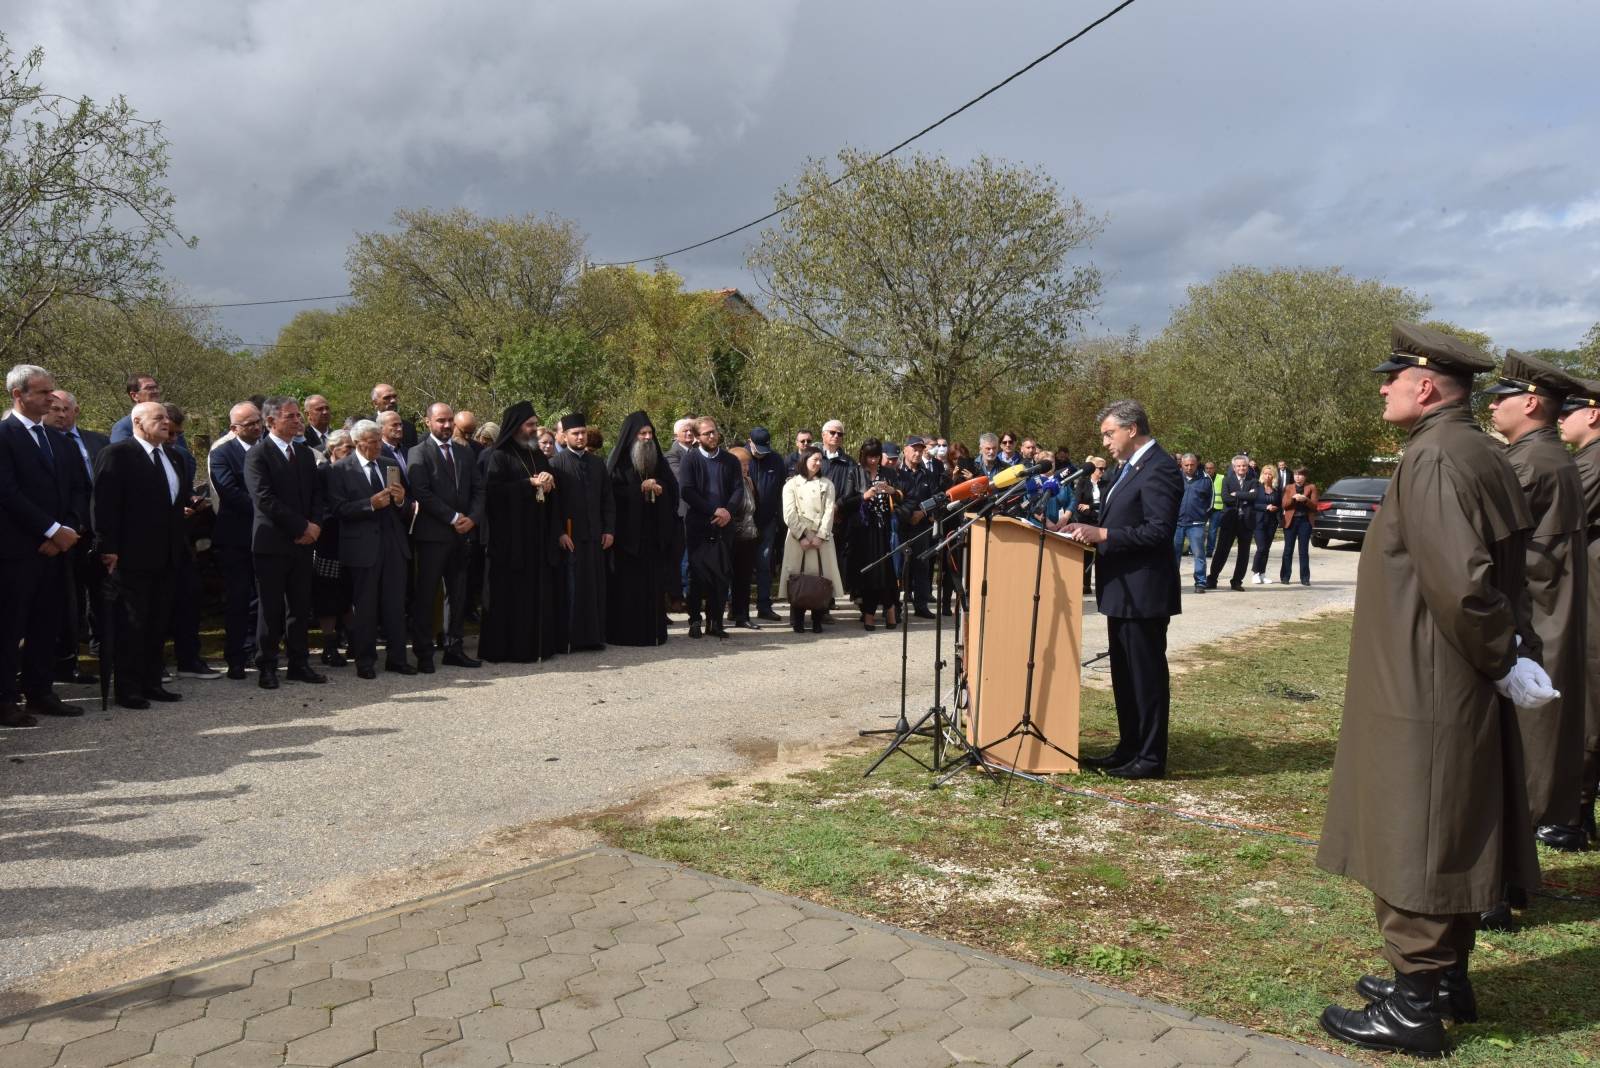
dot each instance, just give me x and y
(1346, 509)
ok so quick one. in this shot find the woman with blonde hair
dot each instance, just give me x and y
(1268, 517)
(808, 506)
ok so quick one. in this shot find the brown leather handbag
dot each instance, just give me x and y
(808, 592)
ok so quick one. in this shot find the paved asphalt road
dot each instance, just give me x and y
(124, 828)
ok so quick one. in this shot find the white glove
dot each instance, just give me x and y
(1527, 685)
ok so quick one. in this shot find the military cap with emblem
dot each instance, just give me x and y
(1414, 345)
(1587, 395)
(1522, 373)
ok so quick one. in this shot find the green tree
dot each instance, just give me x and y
(558, 368)
(1279, 363)
(83, 208)
(1588, 356)
(936, 281)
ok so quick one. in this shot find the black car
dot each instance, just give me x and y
(1346, 508)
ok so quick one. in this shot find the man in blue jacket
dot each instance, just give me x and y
(1193, 514)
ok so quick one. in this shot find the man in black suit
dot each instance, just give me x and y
(448, 488)
(392, 429)
(385, 399)
(41, 489)
(232, 535)
(1240, 489)
(374, 549)
(319, 420)
(712, 484)
(289, 509)
(1136, 587)
(141, 537)
(84, 573)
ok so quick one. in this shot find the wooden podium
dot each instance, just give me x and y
(997, 667)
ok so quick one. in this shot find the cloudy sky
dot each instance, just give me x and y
(1452, 146)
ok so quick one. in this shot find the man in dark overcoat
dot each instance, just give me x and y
(1428, 806)
(1580, 428)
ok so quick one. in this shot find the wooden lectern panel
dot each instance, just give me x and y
(997, 643)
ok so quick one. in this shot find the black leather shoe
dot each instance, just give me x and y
(1135, 769)
(236, 671)
(162, 694)
(1236, 587)
(694, 629)
(425, 665)
(454, 657)
(718, 632)
(74, 677)
(130, 701)
(400, 669)
(769, 615)
(748, 624)
(1456, 999)
(1110, 760)
(1565, 838)
(267, 678)
(334, 658)
(1498, 918)
(368, 673)
(816, 624)
(1407, 1021)
(49, 705)
(922, 613)
(303, 673)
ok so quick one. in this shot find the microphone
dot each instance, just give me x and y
(972, 487)
(1018, 472)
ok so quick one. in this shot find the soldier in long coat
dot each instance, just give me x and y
(1580, 428)
(1428, 807)
(1527, 401)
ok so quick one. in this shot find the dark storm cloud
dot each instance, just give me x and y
(1448, 147)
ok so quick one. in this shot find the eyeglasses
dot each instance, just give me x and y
(1008, 441)
(832, 433)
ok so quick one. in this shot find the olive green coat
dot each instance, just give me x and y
(1428, 807)
(1557, 570)
(1588, 461)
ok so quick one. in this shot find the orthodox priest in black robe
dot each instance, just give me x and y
(522, 558)
(646, 495)
(588, 520)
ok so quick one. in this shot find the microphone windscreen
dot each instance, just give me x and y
(1011, 476)
(972, 487)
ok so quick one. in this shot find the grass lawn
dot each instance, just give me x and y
(1231, 921)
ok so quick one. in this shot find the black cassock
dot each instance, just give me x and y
(643, 567)
(522, 566)
(588, 511)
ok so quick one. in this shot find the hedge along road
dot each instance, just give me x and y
(132, 842)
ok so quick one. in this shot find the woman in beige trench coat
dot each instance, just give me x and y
(808, 504)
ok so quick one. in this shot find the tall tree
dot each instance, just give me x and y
(935, 280)
(83, 208)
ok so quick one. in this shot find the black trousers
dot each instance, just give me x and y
(239, 608)
(81, 612)
(745, 555)
(920, 571)
(438, 561)
(380, 607)
(1142, 688)
(283, 611)
(710, 563)
(144, 605)
(1233, 528)
(30, 624)
(185, 614)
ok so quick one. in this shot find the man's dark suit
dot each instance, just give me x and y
(1238, 523)
(138, 519)
(287, 497)
(707, 483)
(231, 538)
(37, 491)
(85, 576)
(317, 439)
(398, 458)
(441, 553)
(1136, 588)
(374, 549)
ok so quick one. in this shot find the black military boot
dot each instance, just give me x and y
(1409, 1020)
(1562, 836)
(1456, 999)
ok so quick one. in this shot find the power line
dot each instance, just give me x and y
(880, 157)
(1107, 17)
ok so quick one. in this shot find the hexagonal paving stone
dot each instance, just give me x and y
(433, 918)
(1056, 1035)
(454, 1001)
(930, 964)
(911, 1051)
(727, 993)
(1194, 1045)
(286, 1024)
(1270, 1059)
(401, 942)
(516, 947)
(680, 975)
(293, 973)
(1056, 1001)
(983, 981)
(655, 1003)
(96, 1051)
(846, 1036)
(442, 958)
(485, 973)
(766, 1045)
(530, 993)
(831, 1059)
(688, 950)
(605, 985)
(70, 1026)
(28, 1054)
(579, 1013)
(409, 984)
(990, 1045)
(664, 911)
(706, 1024)
(821, 931)
(626, 957)
(689, 1054)
(803, 983)
(711, 925)
(647, 933)
(372, 1013)
(784, 1014)
(251, 1001)
(471, 932)
(1121, 1053)
(1126, 1022)
(368, 965)
(330, 993)
(417, 1035)
(771, 917)
(500, 1023)
(156, 1016)
(244, 1054)
(864, 975)
(1001, 1013)
(631, 1038)
(333, 1045)
(557, 966)
(856, 1004)
(198, 1036)
(551, 1047)
(500, 908)
(602, 918)
(1051, 1059)
(580, 943)
(681, 888)
(923, 994)
(467, 1053)
(331, 947)
(811, 955)
(540, 923)
(874, 945)
(386, 1059)
(932, 1023)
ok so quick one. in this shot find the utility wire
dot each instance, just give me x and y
(781, 209)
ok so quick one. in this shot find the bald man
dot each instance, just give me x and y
(386, 399)
(319, 420)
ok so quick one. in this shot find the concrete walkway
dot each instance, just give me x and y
(610, 959)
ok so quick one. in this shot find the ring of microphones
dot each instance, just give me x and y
(957, 495)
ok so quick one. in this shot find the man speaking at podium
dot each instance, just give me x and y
(1136, 587)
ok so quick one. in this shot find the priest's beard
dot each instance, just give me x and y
(644, 456)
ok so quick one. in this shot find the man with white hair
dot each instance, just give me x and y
(840, 469)
(684, 433)
(374, 547)
(41, 489)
